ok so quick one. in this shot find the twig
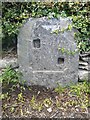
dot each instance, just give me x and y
(54, 114)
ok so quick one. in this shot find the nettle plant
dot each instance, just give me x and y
(68, 52)
(62, 49)
(81, 23)
(10, 76)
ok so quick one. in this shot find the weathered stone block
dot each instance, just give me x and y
(46, 55)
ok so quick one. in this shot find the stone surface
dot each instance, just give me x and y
(39, 59)
(83, 75)
(84, 67)
(7, 62)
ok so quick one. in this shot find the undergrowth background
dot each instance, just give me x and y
(14, 14)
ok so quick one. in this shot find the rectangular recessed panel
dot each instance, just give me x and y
(60, 60)
(36, 43)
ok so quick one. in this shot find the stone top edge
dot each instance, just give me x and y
(42, 19)
(45, 17)
(46, 20)
(51, 24)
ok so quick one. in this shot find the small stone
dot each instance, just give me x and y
(77, 109)
(38, 92)
(49, 110)
(27, 112)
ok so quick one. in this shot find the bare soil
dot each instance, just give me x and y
(40, 102)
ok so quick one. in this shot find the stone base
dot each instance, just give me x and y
(50, 79)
